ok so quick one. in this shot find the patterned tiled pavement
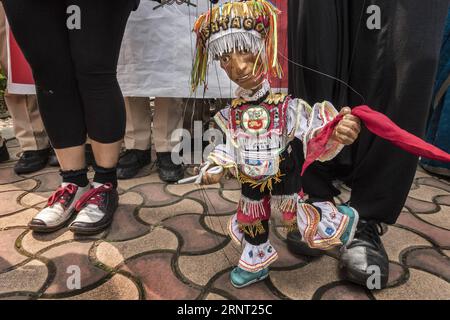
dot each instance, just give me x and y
(170, 242)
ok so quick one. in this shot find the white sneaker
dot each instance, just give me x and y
(60, 207)
(95, 209)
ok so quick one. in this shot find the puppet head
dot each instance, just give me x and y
(243, 36)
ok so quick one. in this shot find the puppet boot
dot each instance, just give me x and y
(241, 278)
(349, 233)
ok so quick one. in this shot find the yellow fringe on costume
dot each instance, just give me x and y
(252, 229)
(280, 204)
(261, 184)
(276, 98)
(290, 225)
(288, 204)
(237, 102)
(273, 98)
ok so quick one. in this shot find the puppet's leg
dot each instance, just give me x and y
(321, 224)
(324, 226)
(286, 205)
(250, 226)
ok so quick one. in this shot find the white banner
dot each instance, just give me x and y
(158, 51)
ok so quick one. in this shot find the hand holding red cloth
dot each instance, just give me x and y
(383, 127)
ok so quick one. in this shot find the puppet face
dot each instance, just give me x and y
(239, 67)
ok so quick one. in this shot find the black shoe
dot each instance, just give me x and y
(32, 161)
(167, 170)
(365, 256)
(4, 154)
(53, 159)
(297, 246)
(131, 161)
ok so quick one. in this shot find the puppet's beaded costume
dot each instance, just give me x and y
(267, 135)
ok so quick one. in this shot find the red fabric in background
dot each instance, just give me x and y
(20, 70)
(383, 127)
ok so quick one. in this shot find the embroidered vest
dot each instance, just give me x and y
(259, 135)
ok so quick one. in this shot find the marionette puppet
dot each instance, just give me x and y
(272, 138)
(267, 135)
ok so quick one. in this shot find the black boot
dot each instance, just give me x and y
(4, 155)
(131, 161)
(167, 170)
(297, 246)
(365, 257)
(31, 161)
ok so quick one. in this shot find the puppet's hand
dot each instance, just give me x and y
(347, 130)
(212, 178)
(212, 175)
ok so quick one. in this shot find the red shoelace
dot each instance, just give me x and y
(93, 196)
(60, 194)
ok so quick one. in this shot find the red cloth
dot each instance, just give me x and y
(381, 126)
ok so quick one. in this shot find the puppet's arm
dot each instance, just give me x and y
(308, 121)
(221, 158)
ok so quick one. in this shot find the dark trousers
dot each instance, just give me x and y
(74, 70)
(393, 68)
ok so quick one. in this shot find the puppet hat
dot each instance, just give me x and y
(235, 26)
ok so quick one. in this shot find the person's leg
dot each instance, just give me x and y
(317, 183)
(167, 118)
(138, 128)
(40, 29)
(250, 227)
(28, 127)
(394, 77)
(397, 78)
(29, 131)
(405, 72)
(95, 49)
(438, 126)
(329, 53)
(137, 137)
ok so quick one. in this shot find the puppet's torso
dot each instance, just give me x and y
(259, 130)
(259, 134)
